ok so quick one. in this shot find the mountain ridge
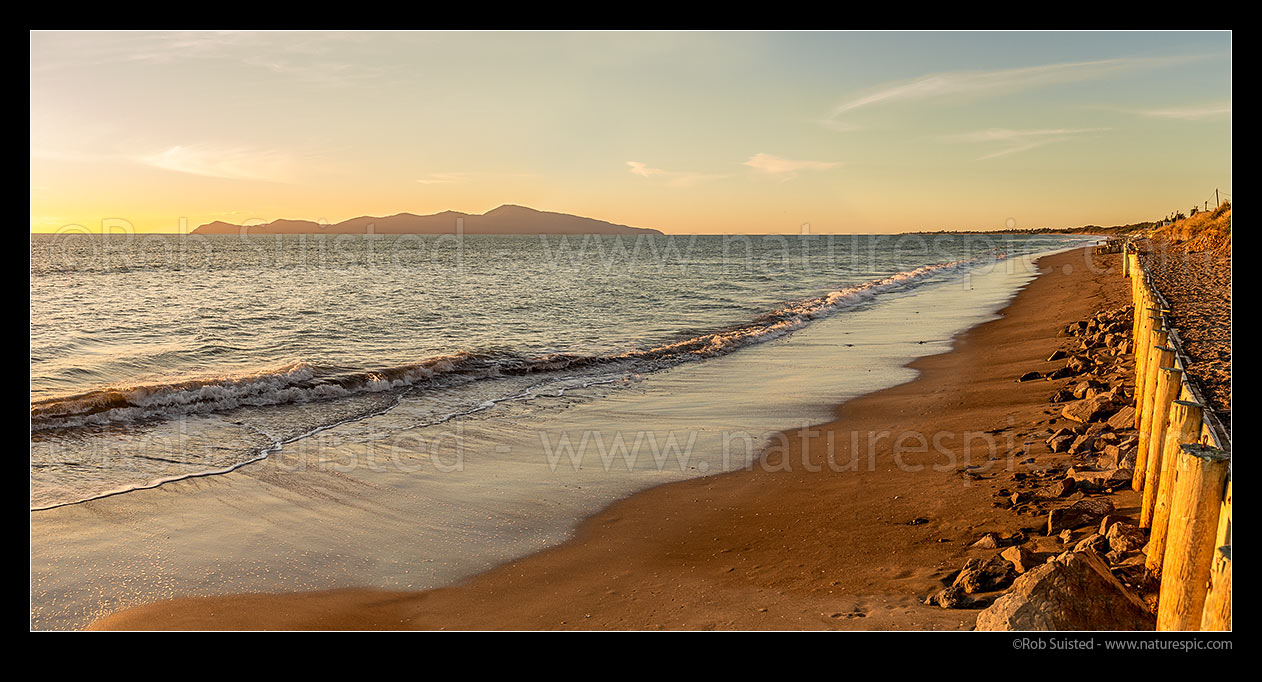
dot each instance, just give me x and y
(504, 219)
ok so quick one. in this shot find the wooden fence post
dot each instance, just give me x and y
(1200, 481)
(1185, 427)
(1152, 324)
(1169, 383)
(1160, 356)
(1217, 614)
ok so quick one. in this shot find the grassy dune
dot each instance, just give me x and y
(1205, 231)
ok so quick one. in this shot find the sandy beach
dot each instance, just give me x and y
(850, 526)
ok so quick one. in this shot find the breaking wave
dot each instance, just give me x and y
(302, 382)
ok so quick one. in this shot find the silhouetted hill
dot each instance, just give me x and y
(507, 219)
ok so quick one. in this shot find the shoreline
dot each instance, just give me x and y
(808, 539)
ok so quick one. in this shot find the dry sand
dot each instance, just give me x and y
(791, 544)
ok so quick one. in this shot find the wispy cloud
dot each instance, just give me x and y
(672, 178)
(334, 59)
(786, 168)
(1187, 113)
(983, 83)
(1016, 141)
(233, 163)
(444, 178)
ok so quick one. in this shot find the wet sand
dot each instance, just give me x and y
(813, 537)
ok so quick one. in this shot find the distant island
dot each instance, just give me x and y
(507, 219)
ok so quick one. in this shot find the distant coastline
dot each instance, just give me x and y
(507, 219)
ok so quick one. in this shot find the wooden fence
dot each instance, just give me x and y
(1182, 469)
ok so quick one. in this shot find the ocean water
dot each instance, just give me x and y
(211, 416)
(160, 358)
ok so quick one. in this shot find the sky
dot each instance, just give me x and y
(686, 132)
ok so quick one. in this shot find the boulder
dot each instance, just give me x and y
(1107, 522)
(950, 598)
(987, 541)
(1078, 514)
(1080, 389)
(1094, 542)
(1030, 376)
(1075, 591)
(1058, 433)
(985, 575)
(1107, 479)
(1089, 409)
(1060, 373)
(1021, 558)
(1056, 489)
(1126, 537)
(1061, 443)
(1123, 419)
(1082, 444)
(1061, 396)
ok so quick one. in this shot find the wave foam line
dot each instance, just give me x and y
(301, 382)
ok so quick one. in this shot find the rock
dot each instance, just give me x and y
(1124, 419)
(1075, 591)
(950, 598)
(987, 541)
(1061, 443)
(1061, 396)
(918, 521)
(1126, 537)
(1055, 489)
(987, 575)
(1097, 429)
(1021, 558)
(1080, 389)
(1100, 480)
(1094, 542)
(1057, 355)
(1078, 514)
(1030, 376)
(1109, 456)
(1060, 373)
(1117, 457)
(1089, 409)
(1108, 521)
(1082, 444)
